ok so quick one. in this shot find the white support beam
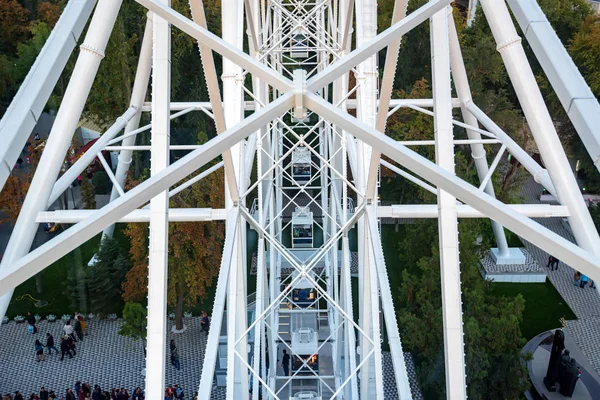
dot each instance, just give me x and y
(461, 83)
(408, 176)
(89, 156)
(540, 175)
(138, 95)
(28, 104)
(214, 93)
(385, 94)
(389, 312)
(250, 105)
(228, 51)
(471, 11)
(371, 385)
(110, 174)
(382, 40)
(20, 269)
(212, 343)
(571, 88)
(541, 125)
(417, 211)
(540, 236)
(143, 215)
(158, 254)
(454, 346)
(88, 61)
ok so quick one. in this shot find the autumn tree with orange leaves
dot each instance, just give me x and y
(15, 189)
(195, 250)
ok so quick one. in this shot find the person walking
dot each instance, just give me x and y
(205, 322)
(552, 263)
(43, 393)
(84, 325)
(39, 351)
(97, 393)
(71, 344)
(64, 348)
(50, 344)
(138, 394)
(69, 395)
(18, 396)
(68, 329)
(175, 359)
(583, 281)
(178, 392)
(285, 363)
(86, 390)
(77, 328)
(31, 328)
(174, 355)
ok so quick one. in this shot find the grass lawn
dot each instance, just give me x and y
(544, 306)
(54, 286)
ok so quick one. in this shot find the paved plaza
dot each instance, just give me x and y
(103, 358)
(585, 303)
(113, 361)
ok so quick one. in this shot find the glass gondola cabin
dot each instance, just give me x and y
(302, 228)
(301, 164)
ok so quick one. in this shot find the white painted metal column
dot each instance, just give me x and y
(92, 52)
(574, 93)
(29, 102)
(447, 221)
(138, 95)
(237, 376)
(159, 208)
(366, 30)
(461, 83)
(542, 128)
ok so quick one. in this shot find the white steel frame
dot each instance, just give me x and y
(282, 87)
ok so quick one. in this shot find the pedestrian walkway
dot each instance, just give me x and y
(585, 303)
(103, 357)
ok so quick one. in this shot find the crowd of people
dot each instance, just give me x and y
(84, 391)
(81, 391)
(74, 330)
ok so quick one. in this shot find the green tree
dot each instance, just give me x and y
(493, 339)
(87, 193)
(565, 16)
(110, 267)
(111, 92)
(134, 321)
(585, 50)
(101, 183)
(195, 250)
(29, 50)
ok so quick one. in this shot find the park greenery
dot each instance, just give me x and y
(493, 314)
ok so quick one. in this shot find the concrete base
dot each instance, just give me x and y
(526, 272)
(515, 256)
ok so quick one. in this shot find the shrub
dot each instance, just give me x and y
(101, 183)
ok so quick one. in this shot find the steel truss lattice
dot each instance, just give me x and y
(315, 143)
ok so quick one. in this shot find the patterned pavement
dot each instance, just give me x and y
(585, 303)
(110, 360)
(103, 358)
